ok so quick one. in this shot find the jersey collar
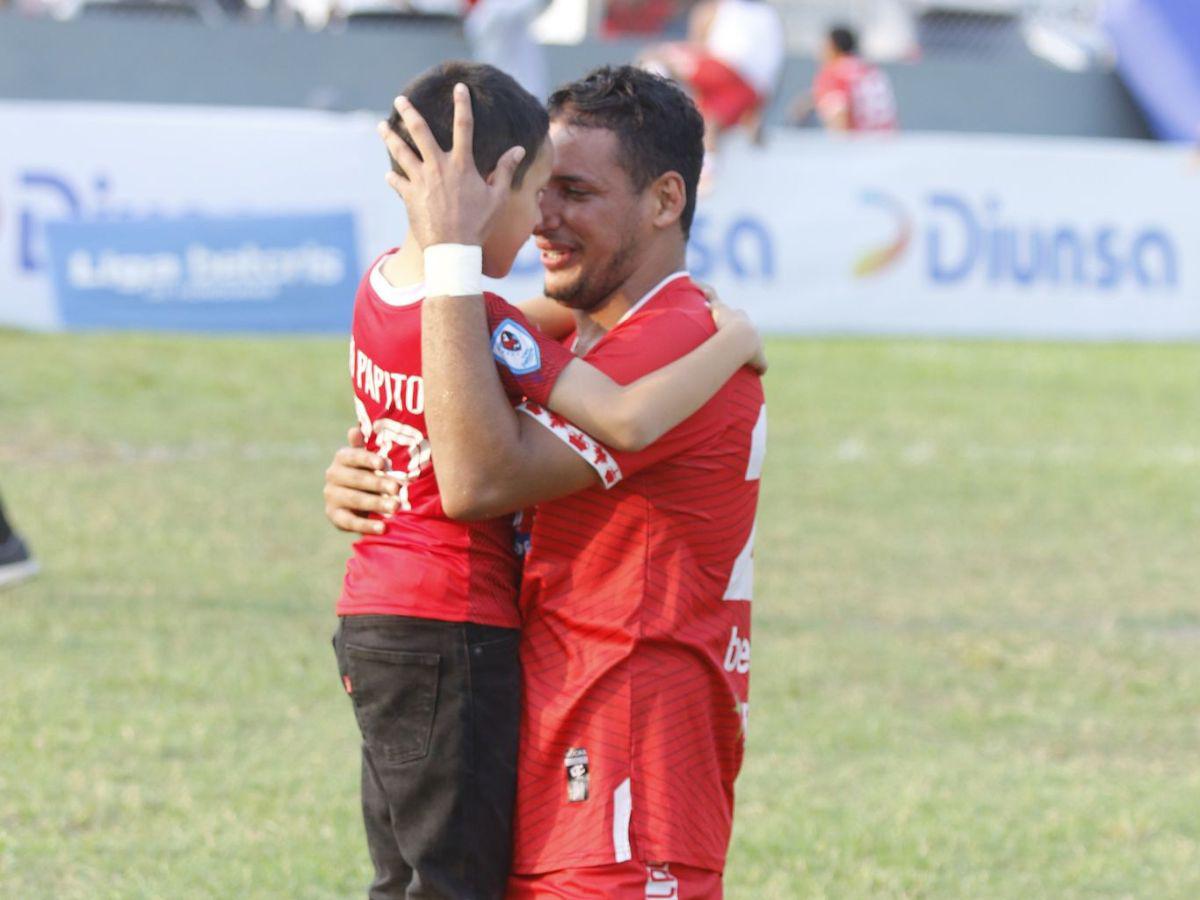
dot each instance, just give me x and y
(682, 273)
(389, 293)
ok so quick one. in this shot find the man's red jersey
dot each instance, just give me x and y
(636, 624)
(425, 564)
(860, 88)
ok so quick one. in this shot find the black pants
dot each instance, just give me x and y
(438, 705)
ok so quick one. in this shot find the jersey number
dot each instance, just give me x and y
(390, 437)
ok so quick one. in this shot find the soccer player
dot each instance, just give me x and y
(427, 644)
(16, 562)
(636, 590)
(848, 94)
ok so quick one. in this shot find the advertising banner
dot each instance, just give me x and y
(134, 170)
(282, 273)
(951, 235)
(922, 234)
(974, 236)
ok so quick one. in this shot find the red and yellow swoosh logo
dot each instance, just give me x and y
(880, 258)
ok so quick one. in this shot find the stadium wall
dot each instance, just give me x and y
(150, 61)
(218, 218)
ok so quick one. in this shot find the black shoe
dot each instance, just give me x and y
(15, 562)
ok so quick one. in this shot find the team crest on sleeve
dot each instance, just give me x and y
(514, 347)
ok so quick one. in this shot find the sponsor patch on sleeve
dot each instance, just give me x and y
(515, 349)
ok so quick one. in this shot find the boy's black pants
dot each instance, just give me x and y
(438, 706)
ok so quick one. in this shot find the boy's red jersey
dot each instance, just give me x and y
(425, 564)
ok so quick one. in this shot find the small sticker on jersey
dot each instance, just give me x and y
(514, 347)
(576, 764)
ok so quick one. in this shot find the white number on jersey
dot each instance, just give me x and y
(392, 436)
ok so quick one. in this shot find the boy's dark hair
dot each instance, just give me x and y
(845, 40)
(505, 114)
(658, 128)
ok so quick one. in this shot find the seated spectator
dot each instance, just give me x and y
(731, 62)
(848, 94)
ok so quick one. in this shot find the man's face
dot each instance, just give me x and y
(594, 223)
(518, 216)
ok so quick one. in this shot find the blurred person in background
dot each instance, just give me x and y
(651, 18)
(848, 93)
(16, 562)
(731, 63)
(500, 35)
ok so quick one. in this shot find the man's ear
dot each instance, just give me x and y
(669, 197)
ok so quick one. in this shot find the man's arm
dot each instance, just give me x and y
(489, 459)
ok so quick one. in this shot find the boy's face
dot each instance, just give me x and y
(518, 216)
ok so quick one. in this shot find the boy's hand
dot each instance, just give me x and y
(448, 201)
(726, 318)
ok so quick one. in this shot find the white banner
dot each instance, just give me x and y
(63, 161)
(919, 234)
(958, 235)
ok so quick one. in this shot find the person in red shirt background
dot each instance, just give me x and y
(848, 93)
(730, 63)
(636, 591)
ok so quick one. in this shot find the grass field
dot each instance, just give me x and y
(976, 657)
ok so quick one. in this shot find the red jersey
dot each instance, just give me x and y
(859, 87)
(425, 564)
(636, 636)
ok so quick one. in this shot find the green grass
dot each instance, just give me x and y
(977, 645)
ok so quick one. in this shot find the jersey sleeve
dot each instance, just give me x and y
(528, 361)
(602, 460)
(643, 345)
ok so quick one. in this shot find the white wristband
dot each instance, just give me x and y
(453, 270)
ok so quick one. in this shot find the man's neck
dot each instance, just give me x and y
(406, 266)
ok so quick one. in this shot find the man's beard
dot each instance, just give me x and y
(590, 291)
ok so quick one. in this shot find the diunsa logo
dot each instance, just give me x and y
(514, 347)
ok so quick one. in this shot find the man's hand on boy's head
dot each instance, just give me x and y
(448, 201)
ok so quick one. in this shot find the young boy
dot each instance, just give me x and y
(427, 644)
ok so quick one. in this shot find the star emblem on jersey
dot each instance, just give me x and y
(515, 349)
